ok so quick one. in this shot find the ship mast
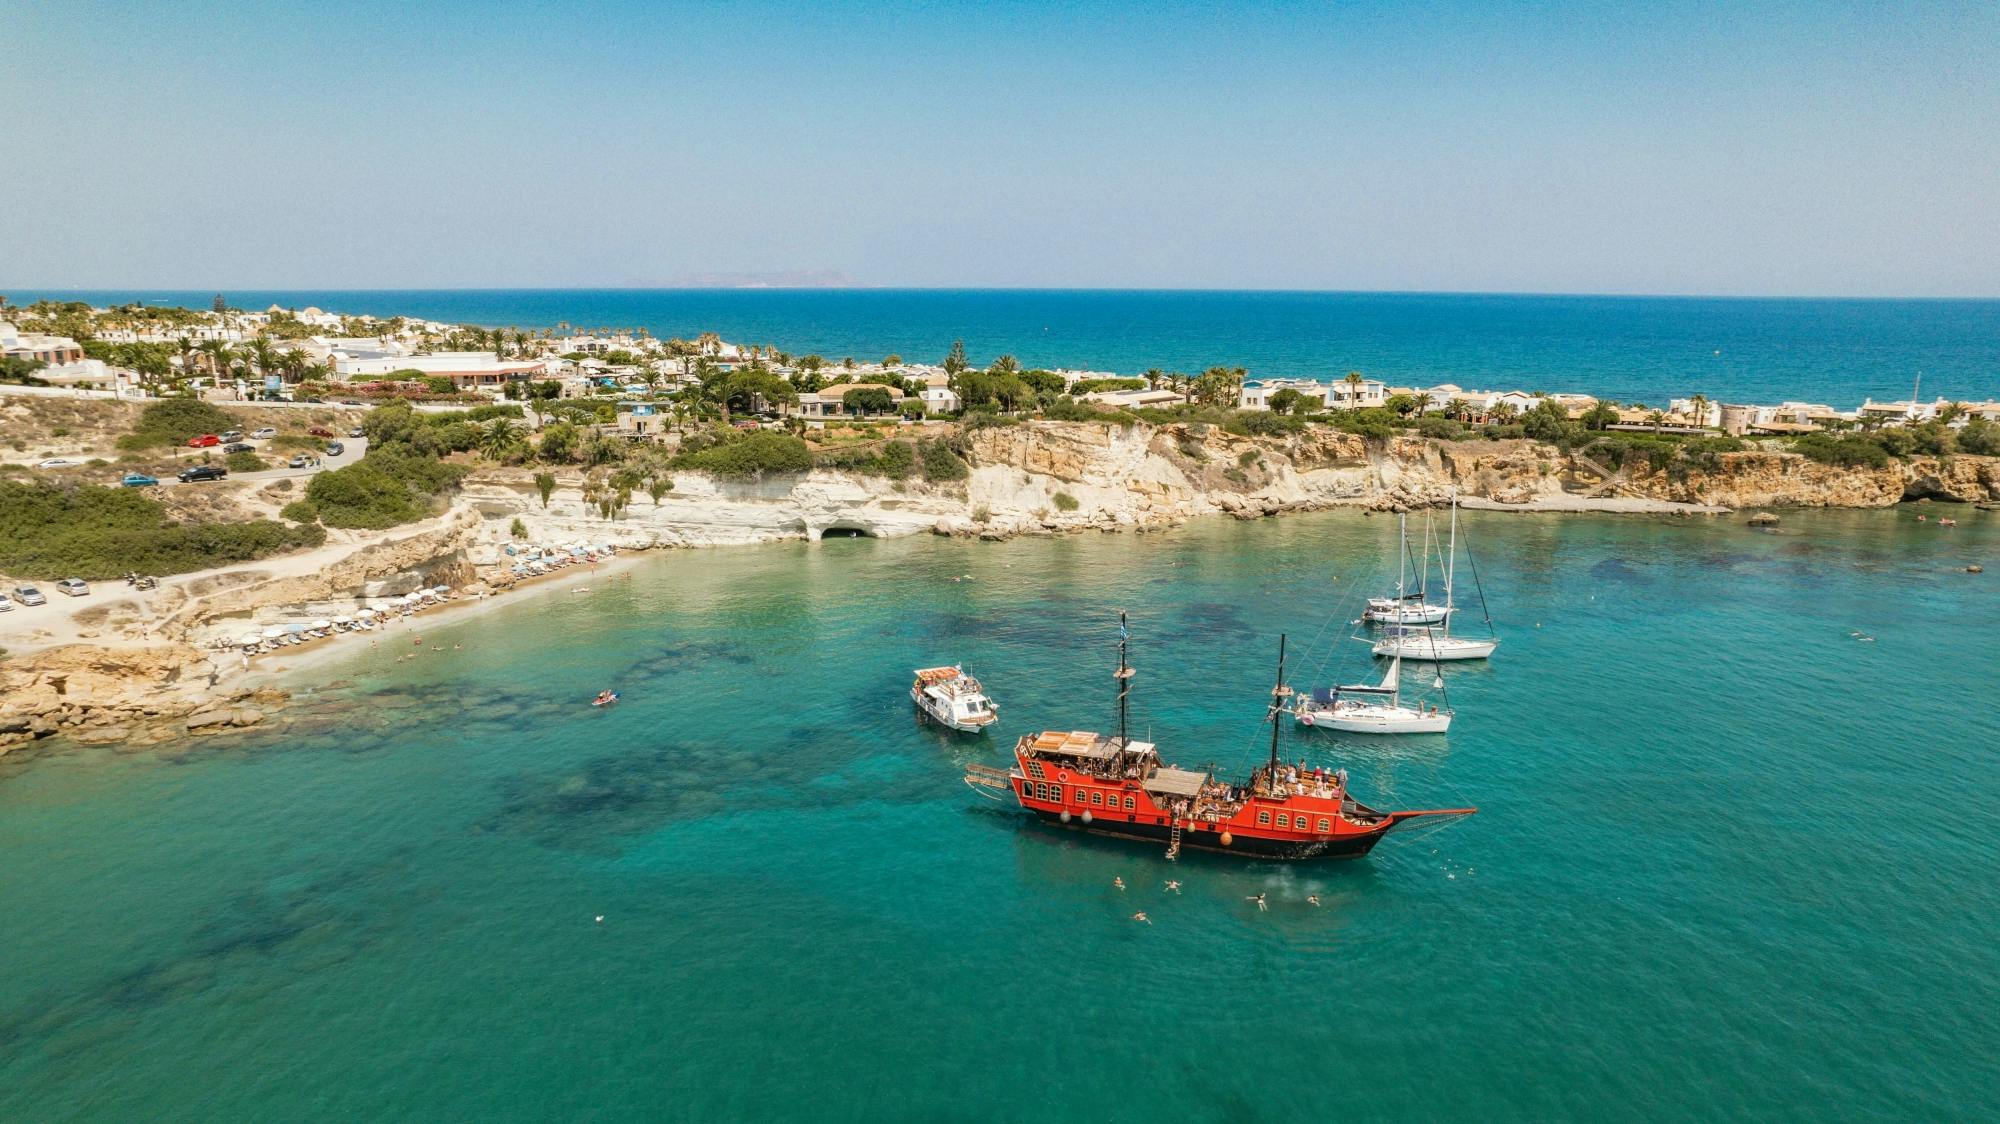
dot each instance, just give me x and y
(1125, 673)
(1279, 692)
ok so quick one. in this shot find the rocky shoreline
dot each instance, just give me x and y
(134, 678)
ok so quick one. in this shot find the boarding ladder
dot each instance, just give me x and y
(1174, 841)
(979, 777)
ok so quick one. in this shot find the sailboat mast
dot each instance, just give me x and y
(1451, 562)
(1125, 673)
(1402, 560)
(1278, 693)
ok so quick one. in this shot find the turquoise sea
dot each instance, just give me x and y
(1733, 861)
(1634, 349)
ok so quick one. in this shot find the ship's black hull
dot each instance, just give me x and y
(1349, 847)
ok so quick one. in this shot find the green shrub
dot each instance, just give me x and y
(980, 417)
(1440, 429)
(1248, 457)
(174, 421)
(1980, 438)
(300, 511)
(1262, 423)
(1065, 502)
(749, 456)
(894, 459)
(1852, 450)
(88, 531)
(517, 528)
(940, 463)
(1093, 386)
(389, 486)
(244, 461)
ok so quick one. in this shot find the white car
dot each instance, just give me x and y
(264, 434)
(6, 603)
(58, 462)
(75, 587)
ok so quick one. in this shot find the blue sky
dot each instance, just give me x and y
(1667, 148)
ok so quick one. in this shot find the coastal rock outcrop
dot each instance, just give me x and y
(100, 695)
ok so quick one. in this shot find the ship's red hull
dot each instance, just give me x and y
(1241, 843)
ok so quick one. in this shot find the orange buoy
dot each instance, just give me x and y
(1227, 839)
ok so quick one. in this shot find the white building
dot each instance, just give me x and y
(35, 347)
(1339, 395)
(938, 396)
(469, 370)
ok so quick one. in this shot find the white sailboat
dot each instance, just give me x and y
(1436, 643)
(1406, 608)
(1376, 709)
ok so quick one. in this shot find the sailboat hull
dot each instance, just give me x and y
(1435, 649)
(1409, 614)
(1375, 720)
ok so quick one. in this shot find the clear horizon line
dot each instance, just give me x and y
(1577, 294)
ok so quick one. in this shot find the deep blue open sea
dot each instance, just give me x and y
(1737, 855)
(1634, 349)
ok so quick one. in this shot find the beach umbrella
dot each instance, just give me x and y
(344, 619)
(322, 624)
(295, 627)
(251, 638)
(440, 590)
(362, 613)
(273, 632)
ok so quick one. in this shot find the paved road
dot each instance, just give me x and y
(353, 449)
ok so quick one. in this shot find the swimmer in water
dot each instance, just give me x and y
(1142, 918)
(1173, 887)
(1312, 899)
(1259, 899)
(1118, 882)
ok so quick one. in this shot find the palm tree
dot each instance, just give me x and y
(1154, 377)
(262, 354)
(1353, 381)
(710, 343)
(499, 438)
(219, 356)
(1656, 418)
(1698, 405)
(1005, 365)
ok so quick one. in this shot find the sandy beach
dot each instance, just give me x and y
(289, 668)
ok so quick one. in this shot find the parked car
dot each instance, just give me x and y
(264, 434)
(205, 441)
(335, 448)
(6, 603)
(75, 587)
(29, 595)
(350, 402)
(139, 480)
(202, 472)
(320, 431)
(56, 462)
(232, 435)
(357, 431)
(239, 447)
(299, 460)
